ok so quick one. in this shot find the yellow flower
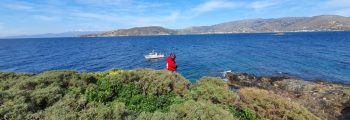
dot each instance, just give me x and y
(115, 72)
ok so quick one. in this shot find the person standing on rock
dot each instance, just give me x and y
(170, 63)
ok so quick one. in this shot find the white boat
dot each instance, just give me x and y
(154, 55)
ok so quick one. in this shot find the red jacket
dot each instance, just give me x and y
(170, 64)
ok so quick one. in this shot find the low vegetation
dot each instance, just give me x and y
(273, 106)
(142, 94)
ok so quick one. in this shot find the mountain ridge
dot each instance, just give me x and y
(284, 24)
(149, 30)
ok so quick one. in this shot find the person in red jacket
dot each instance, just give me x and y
(170, 62)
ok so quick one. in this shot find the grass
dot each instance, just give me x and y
(135, 94)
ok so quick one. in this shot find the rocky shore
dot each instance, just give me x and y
(326, 100)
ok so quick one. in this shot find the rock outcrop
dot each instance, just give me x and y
(325, 100)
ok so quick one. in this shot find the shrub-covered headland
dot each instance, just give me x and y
(142, 94)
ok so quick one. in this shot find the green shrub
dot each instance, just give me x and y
(104, 91)
(161, 81)
(45, 97)
(248, 114)
(13, 76)
(273, 106)
(243, 114)
(190, 110)
(15, 109)
(66, 108)
(3, 96)
(119, 110)
(8, 80)
(27, 96)
(149, 103)
(92, 93)
(214, 90)
(140, 90)
(100, 111)
(152, 82)
(97, 110)
(157, 116)
(74, 106)
(134, 94)
(131, 95)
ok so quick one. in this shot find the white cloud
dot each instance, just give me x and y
(338, 7)
(172, 17)
(336, 3)
(130, 20)
(131, 13)
(121, 3)
(18, 6)
(343, 12)
(46, 18)
(214, 5)
(126, 5)
(96, 16)
(264, 4)
(125, 12)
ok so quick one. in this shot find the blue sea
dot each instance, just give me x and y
(310, 56)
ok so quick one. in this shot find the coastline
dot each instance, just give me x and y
(220, 33)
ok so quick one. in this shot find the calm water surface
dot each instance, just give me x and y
(319, 55)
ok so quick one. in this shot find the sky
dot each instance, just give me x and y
(23, 17)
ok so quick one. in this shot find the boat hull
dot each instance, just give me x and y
(154, 57)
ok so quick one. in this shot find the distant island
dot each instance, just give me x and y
(136, 31)
(285, 24)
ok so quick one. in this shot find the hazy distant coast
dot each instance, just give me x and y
(285, 24)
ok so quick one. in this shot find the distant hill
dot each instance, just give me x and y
(286, 24)
(152, 30)
(53, 35)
